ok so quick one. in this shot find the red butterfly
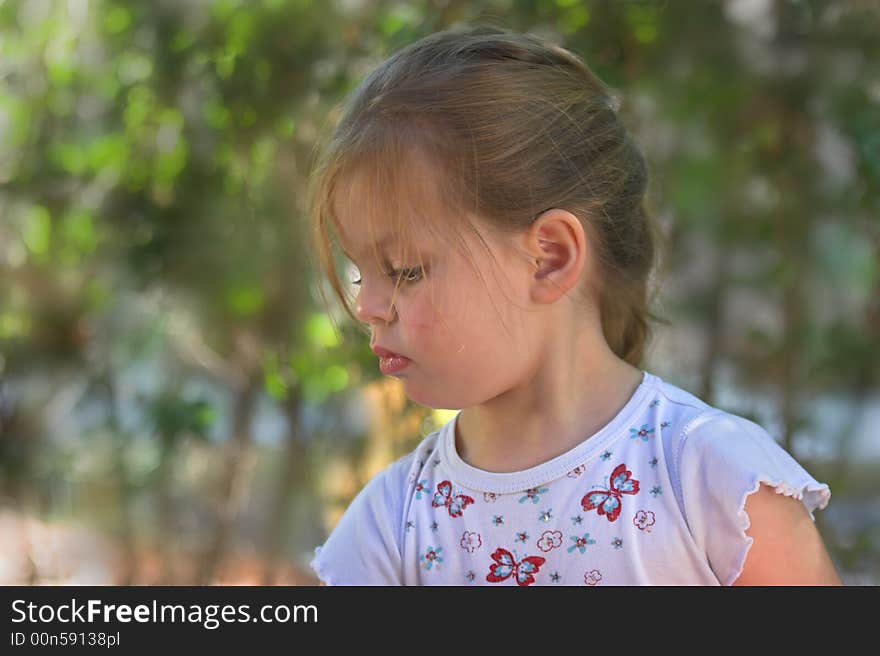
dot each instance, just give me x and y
(506, 565)
(454, 503)
(609, 501)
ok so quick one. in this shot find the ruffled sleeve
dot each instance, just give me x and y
(363, 548)
(723, 458)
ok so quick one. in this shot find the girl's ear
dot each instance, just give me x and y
(560, 243)
(555, 254)
(556, 240)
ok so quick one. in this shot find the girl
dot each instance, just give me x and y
(483, 185)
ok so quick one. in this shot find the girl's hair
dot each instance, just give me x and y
(493, 127)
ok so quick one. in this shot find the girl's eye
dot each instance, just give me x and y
(409, 275)
(406, 274)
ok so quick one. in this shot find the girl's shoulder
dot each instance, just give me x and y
(675, 411)
(364, 546)
(691, 424)
(706, 445)
(403, 473)
(678, 401)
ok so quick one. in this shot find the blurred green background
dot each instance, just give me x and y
(176, 403)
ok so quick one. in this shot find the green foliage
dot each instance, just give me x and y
(173, 418)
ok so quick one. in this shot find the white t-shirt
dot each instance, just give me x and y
(656, 497)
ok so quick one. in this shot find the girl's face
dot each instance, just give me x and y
(445, 318)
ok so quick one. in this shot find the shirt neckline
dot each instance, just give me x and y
(507, 482)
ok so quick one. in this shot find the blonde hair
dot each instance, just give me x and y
(511, 126)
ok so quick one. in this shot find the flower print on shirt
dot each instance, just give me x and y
(522, 536)
(431, 557)
(550, 540)
(420, 487)
(606, 455)
(489, 497)
(644, 520)
(656, 490)
(471, 541)
(644, 432)
(533, 493)
(580, 543)
(617, 543)
(454, 503)
(577, 471)
(498, 520)
(546, 515)
(592, 577)
(609, 501)
(507, 565)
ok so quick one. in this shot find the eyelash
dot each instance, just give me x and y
(398, 272)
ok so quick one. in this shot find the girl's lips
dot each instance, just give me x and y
(393, 364)
(383, 352)
(389, 361)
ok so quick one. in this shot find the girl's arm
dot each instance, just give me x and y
(787, 548)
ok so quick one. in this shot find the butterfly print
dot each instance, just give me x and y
(608, 502)
(506, 566)
(454, 503)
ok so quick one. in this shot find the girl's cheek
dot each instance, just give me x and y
(426, 306)
(423, 316)
(411, 308)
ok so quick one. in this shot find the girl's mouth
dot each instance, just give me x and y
(393, 364)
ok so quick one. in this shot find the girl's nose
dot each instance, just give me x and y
(374, 303)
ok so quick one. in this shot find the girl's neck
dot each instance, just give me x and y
(562, 406)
